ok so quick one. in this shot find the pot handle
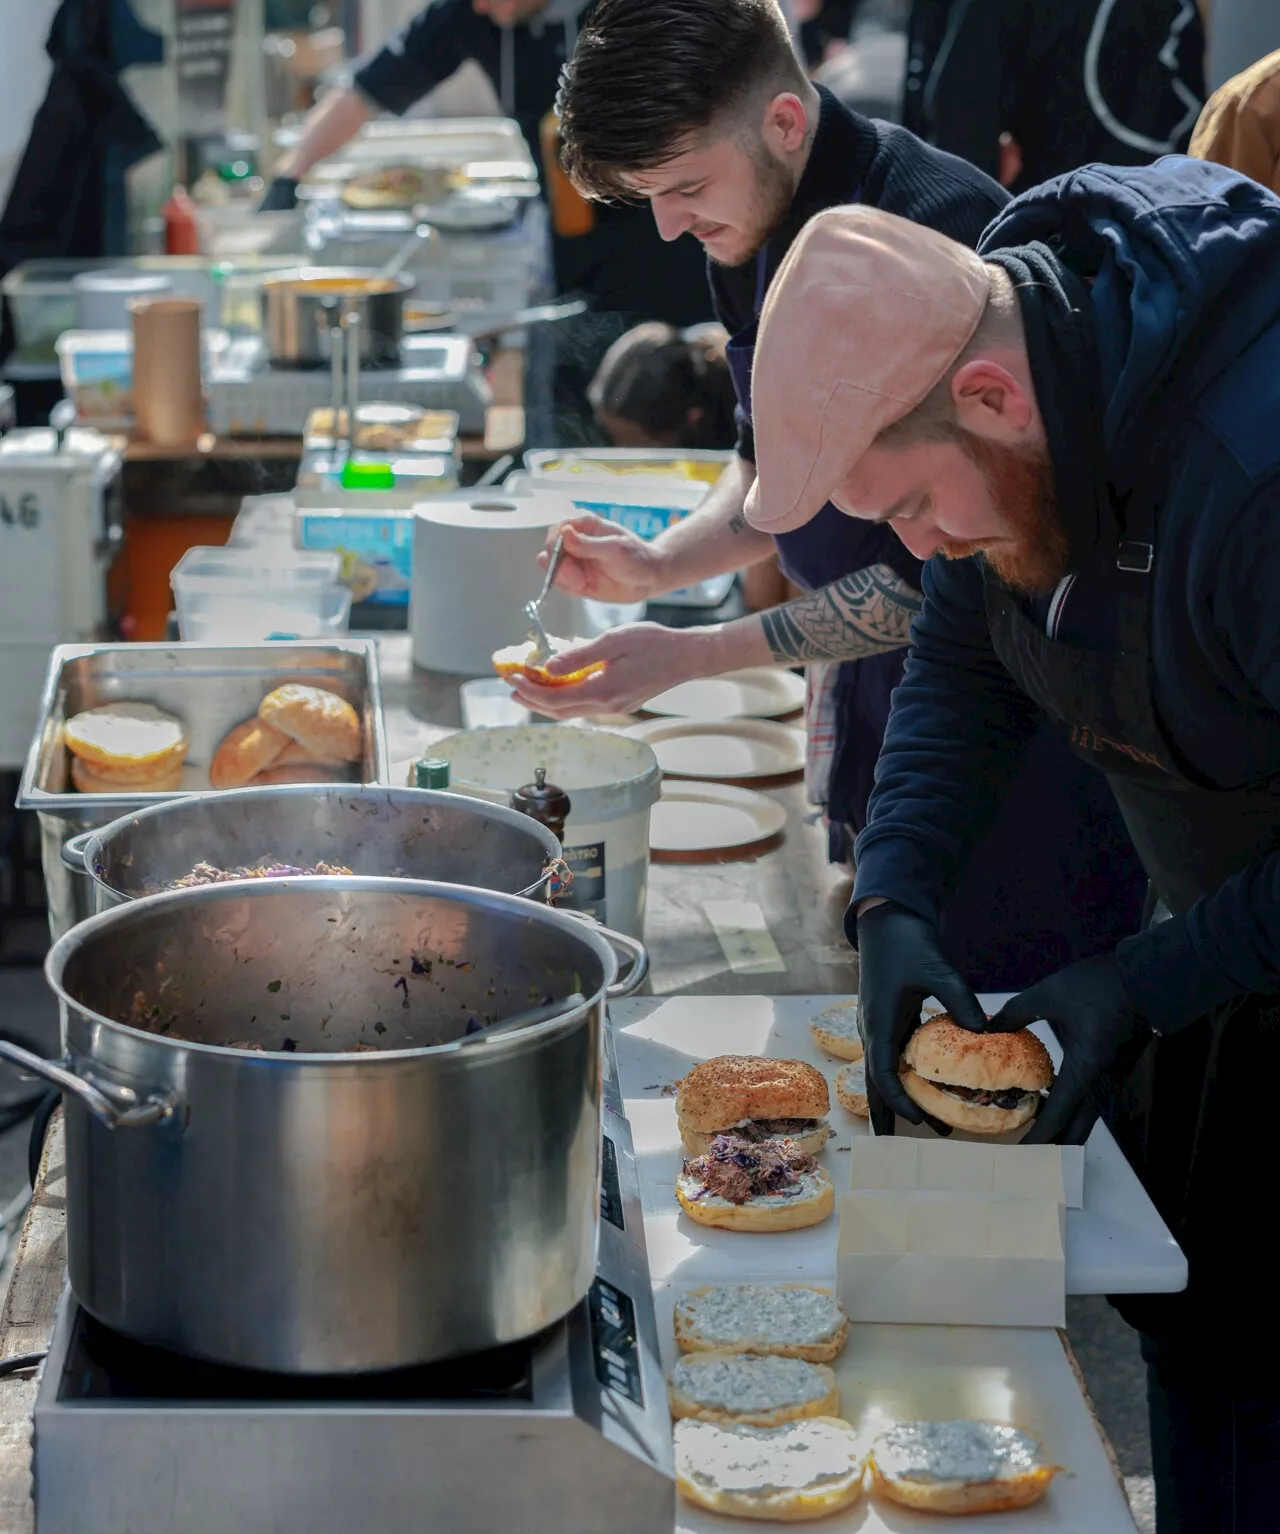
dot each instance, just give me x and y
(554, 879)
(628, 947)
(73, 851)
(122, 1109)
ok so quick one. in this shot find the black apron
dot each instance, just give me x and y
(1193, 1117)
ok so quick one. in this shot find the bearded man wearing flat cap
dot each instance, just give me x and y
(1077, 427)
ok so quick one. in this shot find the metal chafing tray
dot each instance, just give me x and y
(210, 687)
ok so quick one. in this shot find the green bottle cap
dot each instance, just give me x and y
(367, 476)
(431, 772)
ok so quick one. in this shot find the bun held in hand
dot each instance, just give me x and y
(983, 1083)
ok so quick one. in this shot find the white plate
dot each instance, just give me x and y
(729, 750)
(697, 821)
(761, 692)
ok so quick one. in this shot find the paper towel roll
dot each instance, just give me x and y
(474, 568)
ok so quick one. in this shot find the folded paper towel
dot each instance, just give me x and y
(474, 568)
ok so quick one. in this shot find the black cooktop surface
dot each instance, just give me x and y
(102, 1366)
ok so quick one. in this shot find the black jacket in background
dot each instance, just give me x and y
(1074, 81)
(623, 264)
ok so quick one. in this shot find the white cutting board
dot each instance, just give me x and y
(1012, 1374)
(1116, 1244)
(937, 1372)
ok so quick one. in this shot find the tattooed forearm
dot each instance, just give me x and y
(865, 613)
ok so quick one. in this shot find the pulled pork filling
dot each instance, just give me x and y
(208, 873)
(737, 1169)
(757, 1130)
(1009, 1097)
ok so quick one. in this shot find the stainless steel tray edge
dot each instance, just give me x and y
(101, 808)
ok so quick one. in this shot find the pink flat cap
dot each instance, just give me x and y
(866, 314)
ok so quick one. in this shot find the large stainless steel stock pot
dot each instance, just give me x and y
(402, 832)
(291, 1146)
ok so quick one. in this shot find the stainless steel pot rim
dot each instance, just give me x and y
(166, 808)
(515, 905)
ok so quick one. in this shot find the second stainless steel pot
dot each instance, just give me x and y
(242, 1189)
(406, 833)
(301, 308)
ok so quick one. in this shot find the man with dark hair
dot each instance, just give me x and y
(1079, 424)
(701, 108)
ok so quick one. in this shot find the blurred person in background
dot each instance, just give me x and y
(1029, 89)
(823, 29)
(1240, 33)
(611, 255)
(700, 108)
(662, 387)
(1240, 125)
(865, 69)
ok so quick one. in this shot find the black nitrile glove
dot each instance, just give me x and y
(1102, 1035)
(280, 197)
(901, 961)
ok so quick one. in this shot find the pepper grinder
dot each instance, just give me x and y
(543, 802)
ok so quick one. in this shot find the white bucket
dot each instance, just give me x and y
(612, 784)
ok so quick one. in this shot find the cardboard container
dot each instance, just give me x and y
(1069, 1157)
(947, 1235)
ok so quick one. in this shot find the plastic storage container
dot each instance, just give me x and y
(375, 549)
(102, 297)
(97, 371)
(247, 595)
(97, 374)
(612, 783)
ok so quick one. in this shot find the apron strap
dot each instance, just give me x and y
(762, 277)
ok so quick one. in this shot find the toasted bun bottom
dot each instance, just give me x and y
(843, 1046)
(973, 1118)
(963, 1496)
(87, 781)
(698, 1142)
(851, 1091)
(779, 1506)
(759, 1214)
(690, 1340)
(517, 660)
(789, 1506)
(126, 739)
(825, 1406)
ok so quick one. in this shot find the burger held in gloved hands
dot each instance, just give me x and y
(983, 1083)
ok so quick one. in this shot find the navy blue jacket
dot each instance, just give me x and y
(1189, 287)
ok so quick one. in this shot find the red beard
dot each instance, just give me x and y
(1032, 556)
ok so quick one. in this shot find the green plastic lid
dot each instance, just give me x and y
(368, 476)
(431, 772)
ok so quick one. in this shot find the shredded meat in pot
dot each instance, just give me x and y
(737, 1169)
(209, 873)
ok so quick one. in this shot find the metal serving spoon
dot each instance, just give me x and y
(532, 610)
